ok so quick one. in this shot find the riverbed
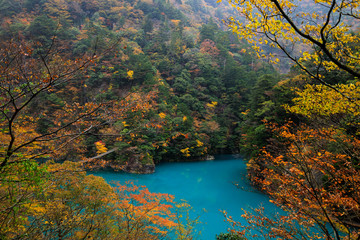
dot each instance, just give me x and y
(208, 186)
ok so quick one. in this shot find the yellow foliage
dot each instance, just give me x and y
(322, 100)
(130, 74)
(184, 118)
(199, 143)
(185, 152)
(137, 51)
(100, 147)
(162, 115)
(275, 23)
(246, 112)
(212, 104)
(176, 22)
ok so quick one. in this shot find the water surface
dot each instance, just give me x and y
(207, 185)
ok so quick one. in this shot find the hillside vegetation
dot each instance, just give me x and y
(129, 84)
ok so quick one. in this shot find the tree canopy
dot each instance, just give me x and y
(321, 33)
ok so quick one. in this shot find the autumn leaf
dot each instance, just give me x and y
(185, 152)
(130, 74)
(100, 147)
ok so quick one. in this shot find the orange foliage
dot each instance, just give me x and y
(69, 203)
(209, 46)
(142, 214)
(315, 178)
(19, 100)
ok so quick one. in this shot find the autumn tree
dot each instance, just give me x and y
(25, 78)
(61, 201)
(314, 179)
(311, 170)
(68, 204)
(143, 215)
(72, 204)
(306, 169)
(315, 32)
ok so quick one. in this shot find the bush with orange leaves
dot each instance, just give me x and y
(314, 176)
(68, 203)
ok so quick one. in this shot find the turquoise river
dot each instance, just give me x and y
(208, 186)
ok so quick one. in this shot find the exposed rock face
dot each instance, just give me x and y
(138, 162)
(130, 167)
(209, 158)
(132, 163)
(135, 165)
(139, 168)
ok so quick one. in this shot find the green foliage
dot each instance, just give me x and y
(186, 67)
(9, 8)
(208, 31)
(42, 29)
(172, 88)
(229, 236)
(62, 201)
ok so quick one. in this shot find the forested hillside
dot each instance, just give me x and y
(120, 84)
(309, 163)
(171, 85)
(129, 84)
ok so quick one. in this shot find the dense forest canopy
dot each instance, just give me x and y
(310, 166)
(128, 84)
(120, 84)
(150, 72)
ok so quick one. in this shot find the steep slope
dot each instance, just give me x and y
(175, 85)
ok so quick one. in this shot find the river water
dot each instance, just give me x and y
(208, 186)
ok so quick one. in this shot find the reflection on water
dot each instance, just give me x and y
(205, 185)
